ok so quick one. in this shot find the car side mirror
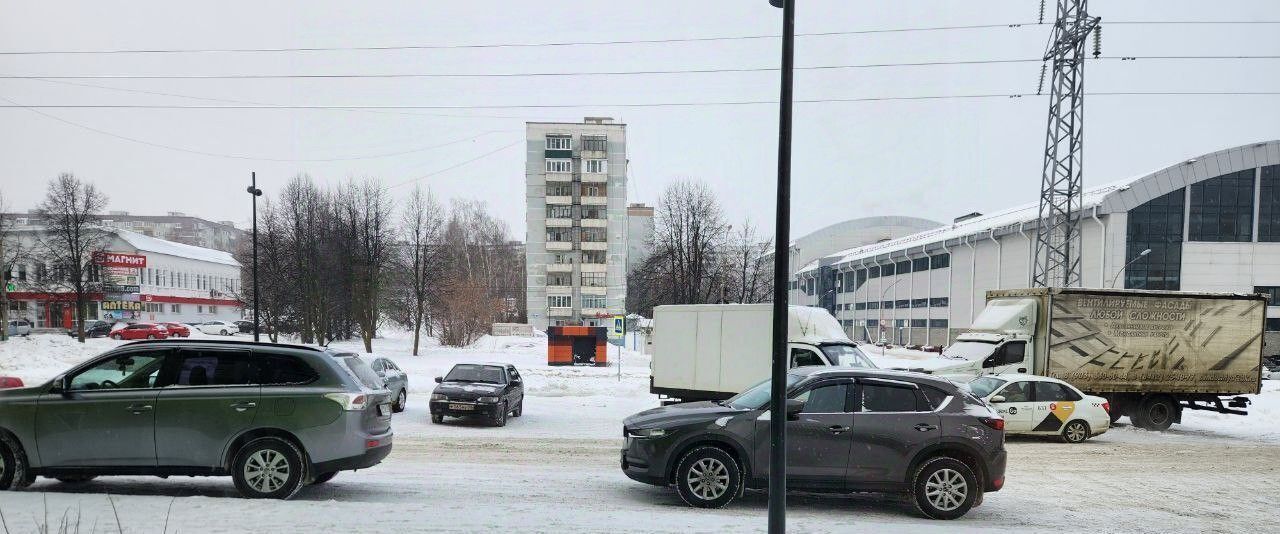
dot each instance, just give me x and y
(990, 361)
(439, 380)
(794, 407)
(60, 386)
(997, 399)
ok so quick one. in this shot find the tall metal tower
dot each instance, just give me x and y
(1057, 250)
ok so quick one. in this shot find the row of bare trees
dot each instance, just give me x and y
(337, 262)
(698, 257)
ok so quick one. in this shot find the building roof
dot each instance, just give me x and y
(169, 248)
(1114, 197)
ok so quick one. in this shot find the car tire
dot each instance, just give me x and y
(501, 418)
(1075, 431)
(401, 400)
(708, 477)
(225, 333)
(75, 479)
(324, 477)
(13, 465)
(1155, 413)
(519, 409)
(151, 336)
(268, 456)
(117, 337)
(437, 419)
(944, 488)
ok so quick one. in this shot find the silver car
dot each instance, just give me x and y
(19, 328)
(396, 380)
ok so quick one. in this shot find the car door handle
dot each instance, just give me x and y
(242, 406)
(925, 427)
(838, 429)
(139, 409)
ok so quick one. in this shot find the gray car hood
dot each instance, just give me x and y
(687, 412)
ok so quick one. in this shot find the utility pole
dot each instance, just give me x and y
(781, 236)
(255, 193)
(1057, 248)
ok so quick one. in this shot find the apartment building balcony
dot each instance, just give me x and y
(559, 246)
(593, 177)
(559, 200)
(559, 267)
(593, 267)
(559, 223)
(594, 201)
(560, 312)
(593, 290)
(595, 245)
(592, 153)
(594, 223)
(559, 289)
(559, 177)
(596, 312)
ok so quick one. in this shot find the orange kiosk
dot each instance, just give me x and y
(577, 345)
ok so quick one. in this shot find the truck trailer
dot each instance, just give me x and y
(714, 351)
(1151, 354)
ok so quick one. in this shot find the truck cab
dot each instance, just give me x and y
(1002, 341)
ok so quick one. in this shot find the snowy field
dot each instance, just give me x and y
(555, 470)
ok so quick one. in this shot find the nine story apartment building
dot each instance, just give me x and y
(576, 242)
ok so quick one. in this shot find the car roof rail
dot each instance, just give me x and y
(235, 342)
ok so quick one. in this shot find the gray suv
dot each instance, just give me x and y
(847, 430)
(273, 417)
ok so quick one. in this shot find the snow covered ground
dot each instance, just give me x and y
(555, 470)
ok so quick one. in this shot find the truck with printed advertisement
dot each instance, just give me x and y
(715, 351)
(1151, 354)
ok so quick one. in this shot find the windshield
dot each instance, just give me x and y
(981, 387)
(757, 396)
(969, 350)
(847, 356)
(476, 373)
(363, 372)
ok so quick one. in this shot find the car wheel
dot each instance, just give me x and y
(708, 477)
(76, 479)
(151, 336)
(944, 488)
(519, 409)
(401, 400)
(117, 337)
(225, 333)
(1075, 431)
(268, 468)
(13, 465)
(437, 418)
(501, 418)
(1155, 413)
(324, 477)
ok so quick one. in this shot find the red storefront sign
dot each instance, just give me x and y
(116, 259)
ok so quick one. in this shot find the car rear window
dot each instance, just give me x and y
(878, 398)
(935, 396)
(363, 372)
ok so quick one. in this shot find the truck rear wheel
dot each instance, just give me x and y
(1156, 412)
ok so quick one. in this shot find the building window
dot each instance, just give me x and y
(920, 264)
(175, 308)
(887, 269)
(559, 142)
(939, 302)
(873, 322)
(559, 301)
(593, 190)
(593, 301)
(860, 306)
(1155, 225)
(937, 323)
(594, 235)
(1273, 324)
(873, 305)
(903, 267)
(213, 309)
(919, 323)
(562, 259)
(1272, 293)
(199, 309)
(1222, 208)
(1269, 205)
(559, 165)
(902, 304)
(593, 256)
(919, 303)
(560, 235)
(593, 280)
(596, 143)
(873, 271)
(559, 212)
(888, 304)
(595, 165)
(559, 279)
(940, 261)
(558, 189)
(594, 212)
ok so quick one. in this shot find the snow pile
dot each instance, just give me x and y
(38, 358)
(903, 358)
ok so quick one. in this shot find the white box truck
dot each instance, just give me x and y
(715, 351)
(1150, 353)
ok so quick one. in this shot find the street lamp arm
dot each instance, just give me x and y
(1140, 255)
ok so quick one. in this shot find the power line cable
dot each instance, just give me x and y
(56, 77)
(602, 43)
(452, 167)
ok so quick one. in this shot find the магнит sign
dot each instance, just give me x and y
(116, 259)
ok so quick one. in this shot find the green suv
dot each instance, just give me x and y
(273, 417)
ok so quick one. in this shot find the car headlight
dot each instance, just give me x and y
(488, 400)
(646, 433)
(439, 397)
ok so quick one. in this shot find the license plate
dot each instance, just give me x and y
(461, 407)
(384, 410)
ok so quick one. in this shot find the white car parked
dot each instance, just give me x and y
(19, 328)
(218, 328)
(1033, 404)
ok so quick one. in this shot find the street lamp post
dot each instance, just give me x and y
(781, 236)
(1140, 255)
(880, 321)
(255, 193)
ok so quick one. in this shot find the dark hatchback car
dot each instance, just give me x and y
(273, 417)
(489, 390)
(848, 430)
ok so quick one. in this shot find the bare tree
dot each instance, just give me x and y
(366, 216)
(750, 266)
(690, 235)
(10, 252)
(422, 228)
(71, 236)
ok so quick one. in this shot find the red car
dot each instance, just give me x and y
(141, 331)
(177, 329)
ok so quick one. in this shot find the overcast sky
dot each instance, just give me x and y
(935, 159)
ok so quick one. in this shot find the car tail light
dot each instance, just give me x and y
(998, 483)
(372, 444)
(1106, 406)
(996, 423)
(351, 402)
(10, 382)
